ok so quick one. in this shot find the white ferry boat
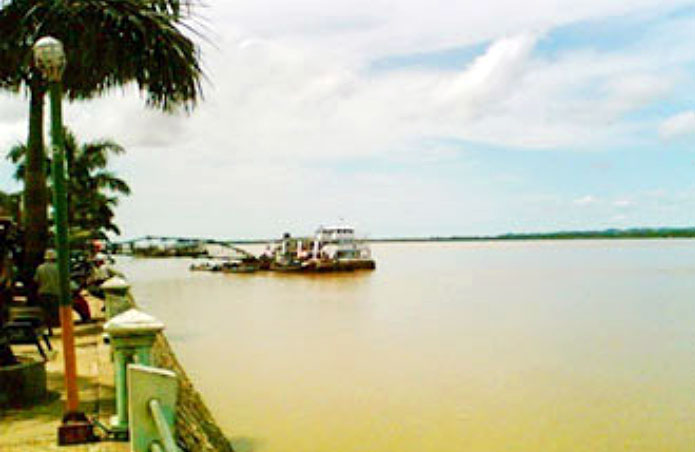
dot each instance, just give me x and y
(339, 244)
(332, 248)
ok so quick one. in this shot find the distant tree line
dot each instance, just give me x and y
(632, 233)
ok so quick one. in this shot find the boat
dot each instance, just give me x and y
(249, 265)
(330, 249)
(284, 255)
(339, 244)
(286, 266)
(225, 258)
(204, 266)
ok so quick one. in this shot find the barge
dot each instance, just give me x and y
(331, 249)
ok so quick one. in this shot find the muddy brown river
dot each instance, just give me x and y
(490, 346)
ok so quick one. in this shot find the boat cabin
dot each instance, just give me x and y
(335, 234)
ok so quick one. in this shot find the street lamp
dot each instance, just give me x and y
(49, 58)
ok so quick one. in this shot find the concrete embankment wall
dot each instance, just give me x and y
(196, 429)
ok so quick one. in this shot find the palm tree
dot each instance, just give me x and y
(92, 189)
(108, 43)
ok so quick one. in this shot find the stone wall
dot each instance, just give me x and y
(196, 429)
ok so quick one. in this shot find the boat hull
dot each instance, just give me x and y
(326, 266)
(240, 269)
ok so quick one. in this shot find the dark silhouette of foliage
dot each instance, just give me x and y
(93, 190)
(108, 43)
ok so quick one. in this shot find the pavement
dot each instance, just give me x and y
(35, 428)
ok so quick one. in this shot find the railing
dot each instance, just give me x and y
(167, 443)
(152, 395)
(151, 426)
(145, 396)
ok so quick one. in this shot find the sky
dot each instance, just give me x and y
(411, 118)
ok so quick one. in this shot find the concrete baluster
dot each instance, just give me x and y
(132, 335)
(116, 294)
(144, 356)
(120, 370)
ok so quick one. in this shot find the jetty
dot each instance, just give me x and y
(167, 246)
(331, 249)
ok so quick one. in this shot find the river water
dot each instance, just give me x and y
(490, 346)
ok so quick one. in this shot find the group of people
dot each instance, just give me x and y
(48, 285)
(88, 271)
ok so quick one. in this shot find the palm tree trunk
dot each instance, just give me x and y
(35, 191)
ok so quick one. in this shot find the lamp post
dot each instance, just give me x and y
(49, 58)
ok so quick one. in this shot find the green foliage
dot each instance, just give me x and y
(108, 43)
(93, 190)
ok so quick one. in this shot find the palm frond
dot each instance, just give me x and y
(93, 190)
(108, 43)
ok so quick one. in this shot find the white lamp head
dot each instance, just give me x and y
(49, 58)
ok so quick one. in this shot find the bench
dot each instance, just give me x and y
(26, 326)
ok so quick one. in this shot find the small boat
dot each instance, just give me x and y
(226, 258)
(243, 266)
(205, 266)
(320, 265)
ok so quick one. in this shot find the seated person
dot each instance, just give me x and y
(100, 273)
(48, 283)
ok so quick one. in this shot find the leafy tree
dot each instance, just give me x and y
(92, 189)
(108, 43)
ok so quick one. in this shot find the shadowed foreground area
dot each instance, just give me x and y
(35, 428)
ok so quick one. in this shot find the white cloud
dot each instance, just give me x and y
(13, 114)
(292, 100)
(372, 28)
(13, 109)
(587, 200)
(678, 126)
(623, 203)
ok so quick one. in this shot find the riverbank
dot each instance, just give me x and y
(35, 428)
